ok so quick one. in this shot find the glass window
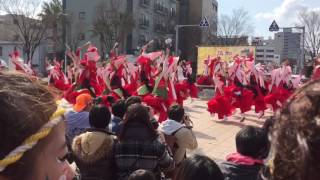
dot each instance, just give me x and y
(82, 15)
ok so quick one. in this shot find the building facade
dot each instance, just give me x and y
(288, 45)
(266, 52)
(153, 19)
(191, 12)
(10, 39)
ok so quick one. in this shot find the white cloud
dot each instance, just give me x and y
(286, 13)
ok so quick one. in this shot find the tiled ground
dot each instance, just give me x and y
(216, 138)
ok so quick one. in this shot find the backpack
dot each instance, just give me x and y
(171, 141)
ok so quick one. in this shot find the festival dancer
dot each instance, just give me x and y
(281, 86)
(56, 77)
(221, 103)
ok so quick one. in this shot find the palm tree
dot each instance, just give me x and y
(52, 13)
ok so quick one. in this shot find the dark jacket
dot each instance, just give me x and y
(93, 155)
(234, 171)
(138, 151)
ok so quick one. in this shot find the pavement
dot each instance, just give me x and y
(216, 138)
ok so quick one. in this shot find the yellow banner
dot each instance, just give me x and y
(226, 53)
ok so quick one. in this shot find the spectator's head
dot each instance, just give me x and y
(253, 142)
(176, 112)
(99, 117)
(119, 108)
(199, 167)
(27, 107)
(142, 175)
(268, 124)
(138, 114)
(296, 136)
(83, 103)
(132, 100)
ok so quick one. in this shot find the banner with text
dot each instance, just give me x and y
(226, 53)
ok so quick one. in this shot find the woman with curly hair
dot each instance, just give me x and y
(296, 137)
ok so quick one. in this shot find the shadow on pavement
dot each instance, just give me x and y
(234, 123)
(202, 135)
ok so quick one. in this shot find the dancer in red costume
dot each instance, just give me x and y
(56, 77)
(20, 66)
(281, 86)
(316, 69)
(221, 102)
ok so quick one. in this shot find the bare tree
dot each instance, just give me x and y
(230, 28)
(111, 25)
(311, 20)
(29, 25)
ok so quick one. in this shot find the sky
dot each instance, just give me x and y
(263, 12)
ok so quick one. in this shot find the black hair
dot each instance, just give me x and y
(119, 108)
(99, 117)
(132, 100)
(137, 113)
(199, 167)
(268, 124)
(176, 112)
(253, 142)
(142, 174)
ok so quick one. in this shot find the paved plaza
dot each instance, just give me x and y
(216, 138)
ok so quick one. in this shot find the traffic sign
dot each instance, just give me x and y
(204, 22)
(274, 26)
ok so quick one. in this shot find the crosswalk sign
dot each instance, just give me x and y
(204, 22)
(274, 26)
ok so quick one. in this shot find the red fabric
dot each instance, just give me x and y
(316, 74)
(244, 101)
(220, 104)
(205, 80)
(237, 158)
(157, 104)
(71, 95)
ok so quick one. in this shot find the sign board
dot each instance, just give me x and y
(204, 22)
(274, 26)
(226, 53)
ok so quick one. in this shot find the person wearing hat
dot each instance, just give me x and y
(77, 120)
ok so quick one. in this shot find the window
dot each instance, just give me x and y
(82, 36)
(260, 56)
(260, 50)
(15, 21)
(82, 15)
(270, 51)
(142, 39)
(0, 50)
(270, 56)
(144, 3)
(144, 21)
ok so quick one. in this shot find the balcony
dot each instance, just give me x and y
(144, 23)
(161, 9)
(160, 28)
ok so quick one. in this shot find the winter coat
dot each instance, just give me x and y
(93, 152)
(138, 151)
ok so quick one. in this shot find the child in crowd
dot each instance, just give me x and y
(252, 147)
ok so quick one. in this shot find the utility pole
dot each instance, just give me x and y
(203, 23)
